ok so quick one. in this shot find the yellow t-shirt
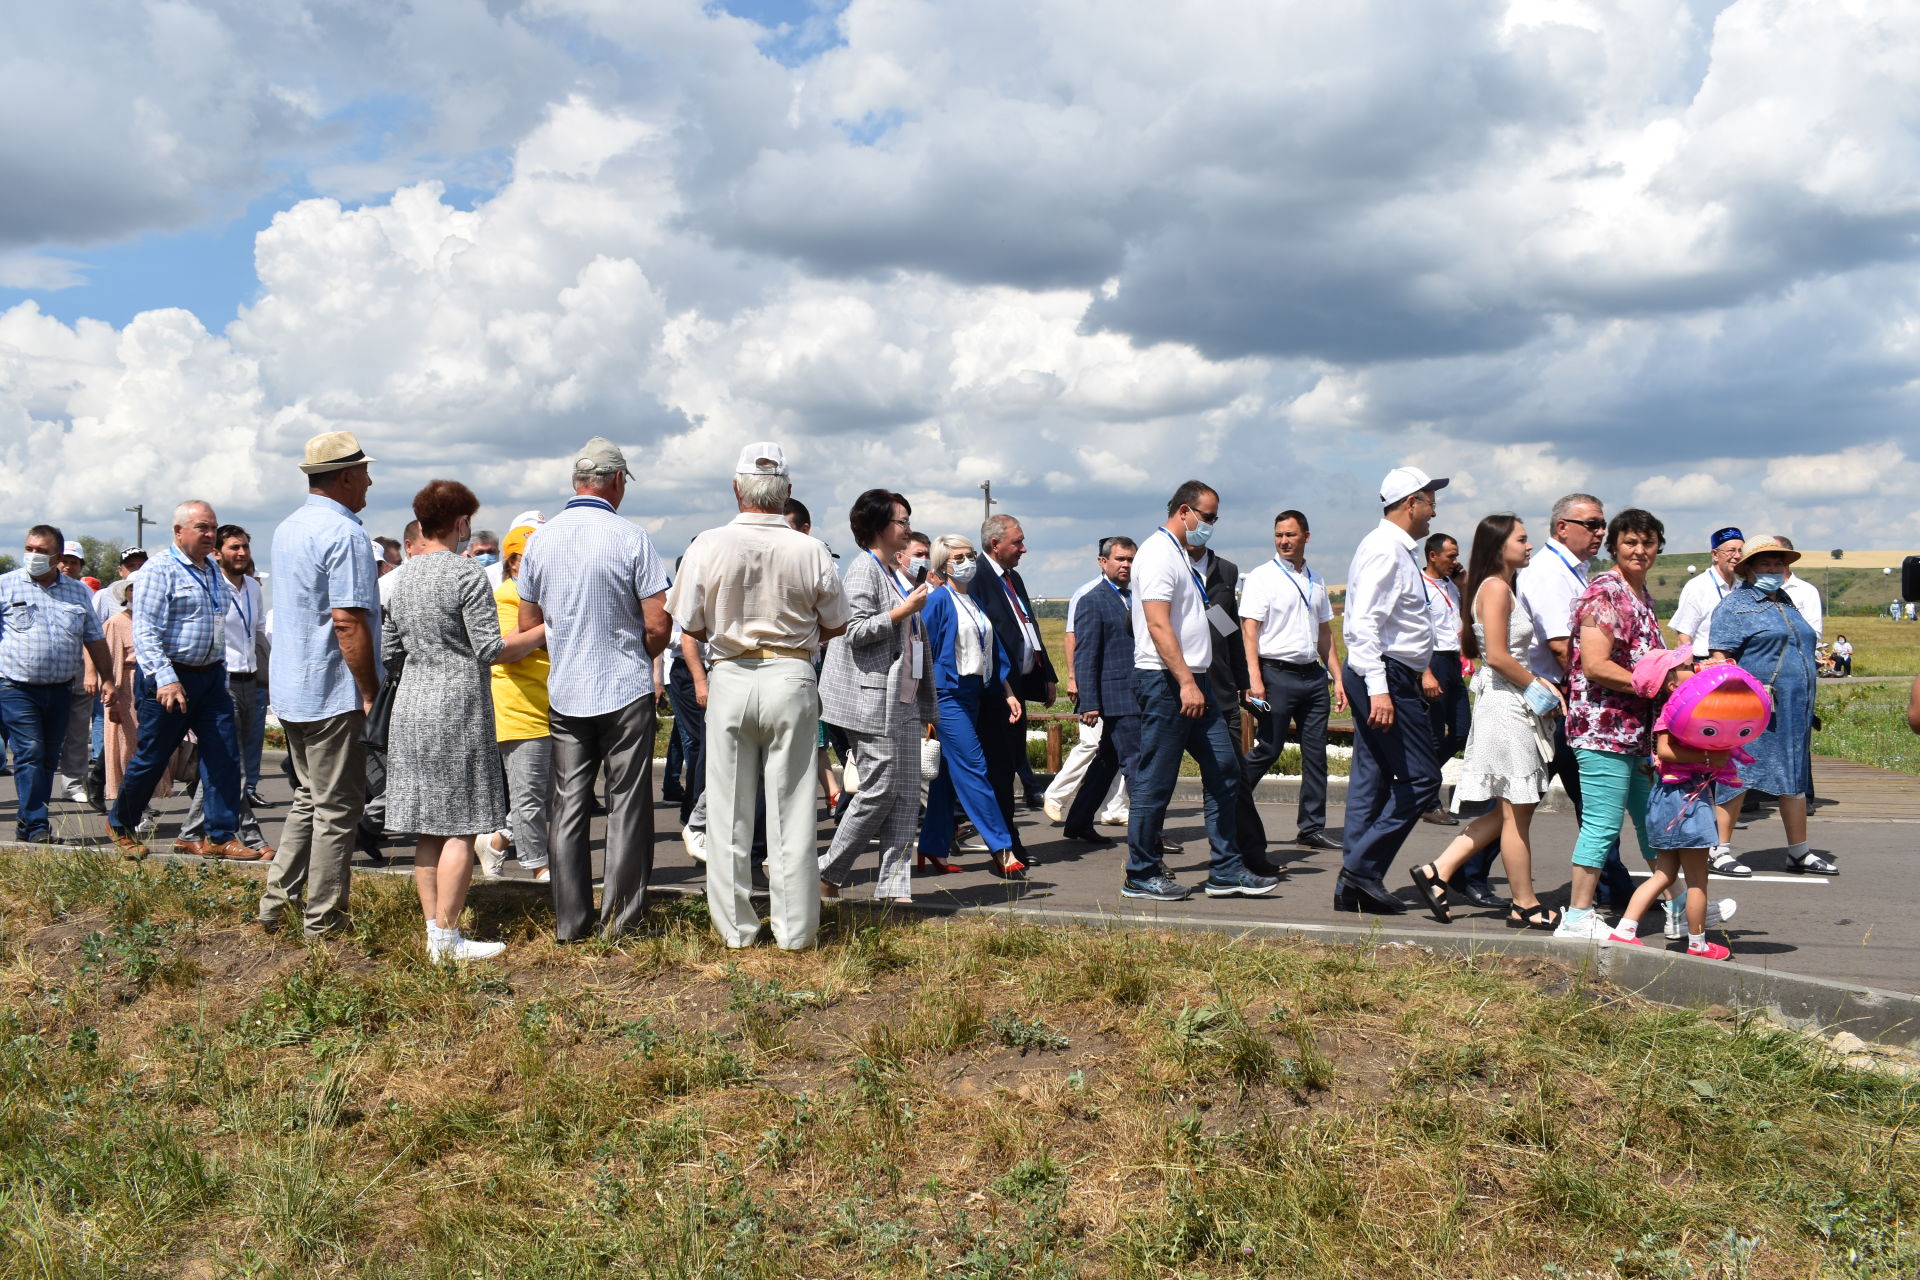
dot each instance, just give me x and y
(519, 688)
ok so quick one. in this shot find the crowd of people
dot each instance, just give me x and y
(482, 694)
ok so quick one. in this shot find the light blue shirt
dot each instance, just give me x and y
(322, 561)
(43, 630)
(588, 569)
(179, 615)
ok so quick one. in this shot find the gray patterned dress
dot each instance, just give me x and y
(443, 770)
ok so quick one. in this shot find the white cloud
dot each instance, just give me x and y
(1694, 491)
(1849, 473)
(39, 272)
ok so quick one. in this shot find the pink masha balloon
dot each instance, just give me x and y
(1718, 708)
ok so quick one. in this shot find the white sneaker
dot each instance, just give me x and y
(1055, 814)
(696, 841)
(543, 875)
(492, 852)
(1718, 913)
(1592, 927)
(444, 945)
(77, 792)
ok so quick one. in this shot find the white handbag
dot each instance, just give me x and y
(929, 757)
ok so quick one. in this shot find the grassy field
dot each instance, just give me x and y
(181, 1096)
(1868, 723)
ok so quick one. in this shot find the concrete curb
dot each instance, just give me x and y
(1875, 1015)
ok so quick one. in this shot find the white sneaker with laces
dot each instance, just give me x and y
(1718, 913)
(696, 841)
(445, 945)
(492, 852)
(1592, 927)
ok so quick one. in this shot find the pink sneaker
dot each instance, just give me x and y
(1626, 942)
(1709, 951)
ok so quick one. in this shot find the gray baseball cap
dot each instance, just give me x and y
(602, 457)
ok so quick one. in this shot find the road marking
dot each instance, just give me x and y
(1719, 879)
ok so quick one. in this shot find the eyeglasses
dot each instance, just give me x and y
(904, 524)
(1591, 526)
(1204, 517)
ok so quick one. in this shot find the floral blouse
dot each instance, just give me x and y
(1602, 719)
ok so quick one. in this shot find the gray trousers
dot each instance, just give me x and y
(313, 869)
(886, 807)
(529, 765)
(621, 740)
(762, 715)
(76, 750)
(247, 728)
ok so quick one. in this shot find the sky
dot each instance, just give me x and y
(1659, 250)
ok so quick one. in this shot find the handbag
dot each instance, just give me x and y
(929, 756)
(186, 758)
(380, 718)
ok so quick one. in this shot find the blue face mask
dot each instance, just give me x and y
(1769, 582)
(1200, 534)
(485, 558)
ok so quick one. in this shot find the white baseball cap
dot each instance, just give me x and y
(765, 458)
(1404, 482)
(74, 549)
(527, 519)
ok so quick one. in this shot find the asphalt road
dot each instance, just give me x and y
(1854, 928)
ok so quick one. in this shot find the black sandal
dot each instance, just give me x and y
(1537, 916)
(1434, 890)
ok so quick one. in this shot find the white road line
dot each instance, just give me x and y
(1821, 880)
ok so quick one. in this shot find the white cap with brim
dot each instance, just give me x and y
(765, 458)
(526, 520)
(1404, 482)
(75, 550)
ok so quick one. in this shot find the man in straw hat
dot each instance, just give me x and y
(597, 582)
(324, 672)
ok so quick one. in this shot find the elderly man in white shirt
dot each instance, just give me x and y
(1704, 591)
(1389, 633)
(763, 597)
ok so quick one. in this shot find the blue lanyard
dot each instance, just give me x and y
(1573, 569)
(973, 611)
(1199, 583)
(208, 584)
(888, 575)
(1287, 573)
(240, 607)
(1125, 598)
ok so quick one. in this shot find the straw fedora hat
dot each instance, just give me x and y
(333, 451)
(1765, 544)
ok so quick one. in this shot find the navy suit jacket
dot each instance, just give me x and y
(992, 599)
(1103, 653)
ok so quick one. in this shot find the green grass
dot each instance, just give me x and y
(185, 1097)
(1867, 723)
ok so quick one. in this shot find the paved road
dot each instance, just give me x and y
(1857, 928)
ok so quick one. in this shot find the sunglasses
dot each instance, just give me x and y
(1591, 526)
(1204, 517)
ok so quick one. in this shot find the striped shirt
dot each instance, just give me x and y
(588, 570)
(43, 629)
(321, 562)
(179, 615)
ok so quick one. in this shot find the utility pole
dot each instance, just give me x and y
(140, 523)
(986, 488)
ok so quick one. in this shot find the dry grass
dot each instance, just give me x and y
(180, 1096)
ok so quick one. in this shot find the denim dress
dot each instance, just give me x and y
(1766, 635)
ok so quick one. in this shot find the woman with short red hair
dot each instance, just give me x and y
(443, 775)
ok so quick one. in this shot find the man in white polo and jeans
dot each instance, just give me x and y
(762, 597)
(595, 579)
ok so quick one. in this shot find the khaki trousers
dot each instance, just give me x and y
(312, 869)
(762, 715)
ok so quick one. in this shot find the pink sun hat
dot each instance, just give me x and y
(1650, 673)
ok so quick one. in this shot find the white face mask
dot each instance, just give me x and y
(37, 564)
(917, 566)
(962, 571)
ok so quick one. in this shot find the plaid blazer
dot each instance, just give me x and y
(860, 676)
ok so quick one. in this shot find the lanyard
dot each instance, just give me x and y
(892, 578)
(208, 583)
(978, 621)
(240, 607)
(1125, 598)
(1445, 599)
(1572, 568)
(1426, 596)
(1019, 610)
(1199, 583)
(1287, 573)
(1716, 585)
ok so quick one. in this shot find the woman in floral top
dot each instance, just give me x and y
(1608, 725)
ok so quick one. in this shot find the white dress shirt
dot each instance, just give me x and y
(1443, 607)
(969, 655)
(1079, 591)
(1289, 607)
(1546, 589)
(1027, 656)
(244, 609)
(1698, 599)
(1164, 572)
(1806, 598)
(1386, 613)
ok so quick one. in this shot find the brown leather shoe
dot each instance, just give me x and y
(127, 843)
(234, 851)
(1440, 818)
(191, 848)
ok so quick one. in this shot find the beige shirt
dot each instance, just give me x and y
(756, 584)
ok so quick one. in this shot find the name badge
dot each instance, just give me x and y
(1222, 621)
(917, 656)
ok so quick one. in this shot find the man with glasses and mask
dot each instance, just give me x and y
(1173, 635)
(1389, 633)
(1704, 591)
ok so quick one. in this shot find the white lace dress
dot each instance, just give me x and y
(1508, 747)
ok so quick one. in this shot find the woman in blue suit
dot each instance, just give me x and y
(969, 663)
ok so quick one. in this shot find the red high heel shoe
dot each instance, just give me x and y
(935, 863)
(1007, 864)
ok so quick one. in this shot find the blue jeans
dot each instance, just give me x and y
(1395, 776)
(36, 716)
(1165, 735)
(209, 715)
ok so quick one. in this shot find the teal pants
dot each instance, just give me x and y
(1612, 786)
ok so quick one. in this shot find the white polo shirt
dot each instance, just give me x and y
(1289, 608)
(1162, 571)
(1698, 599)
(1806, 598)
(1546, 588)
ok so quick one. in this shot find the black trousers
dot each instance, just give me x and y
(1301, 703)
(690, 729)
(1450, 715)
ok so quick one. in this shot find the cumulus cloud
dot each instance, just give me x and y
(1695, 491)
